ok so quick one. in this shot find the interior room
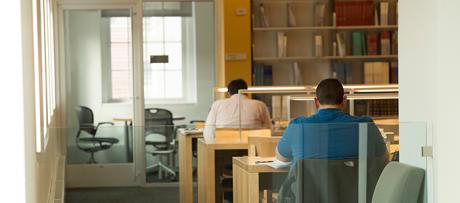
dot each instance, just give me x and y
(231, 101)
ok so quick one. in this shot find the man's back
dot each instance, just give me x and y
(228, 113)
(329, 134)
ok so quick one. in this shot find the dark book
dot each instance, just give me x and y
(371, 43)
(350, 13)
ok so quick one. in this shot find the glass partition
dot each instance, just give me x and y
(99, 62)
(178, 56)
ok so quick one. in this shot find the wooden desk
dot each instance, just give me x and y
(246, 178)
(185, 138)
(206, 167)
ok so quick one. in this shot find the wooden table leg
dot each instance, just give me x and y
(245, 186)
(185, 169)
(206, 174)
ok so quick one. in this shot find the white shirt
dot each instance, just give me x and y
(227, 114)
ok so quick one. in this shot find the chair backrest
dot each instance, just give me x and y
(262, 146)
(159, 121)
(328, 181)
(85, 118)
(400, 183)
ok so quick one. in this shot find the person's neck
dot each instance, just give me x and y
(330, 107)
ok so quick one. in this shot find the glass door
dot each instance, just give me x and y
(99, 64)
(178, 57)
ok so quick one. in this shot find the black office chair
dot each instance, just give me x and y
(91, 144)
(160, 122)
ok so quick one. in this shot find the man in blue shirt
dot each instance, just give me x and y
(329, 134)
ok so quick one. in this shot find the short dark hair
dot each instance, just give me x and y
(329, 92)
(236, 85)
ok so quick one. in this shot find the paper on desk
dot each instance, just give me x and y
(277, 164)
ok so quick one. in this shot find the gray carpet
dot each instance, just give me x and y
(165, 193)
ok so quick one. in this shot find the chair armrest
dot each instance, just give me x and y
(104, 123)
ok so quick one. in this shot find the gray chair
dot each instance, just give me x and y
(400, 183)
(91, 144)
(159, 122)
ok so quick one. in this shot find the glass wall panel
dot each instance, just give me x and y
(99, 62)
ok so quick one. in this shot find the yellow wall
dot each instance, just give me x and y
(237, 39)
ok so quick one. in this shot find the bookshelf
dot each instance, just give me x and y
(301, 42)
(373, 27)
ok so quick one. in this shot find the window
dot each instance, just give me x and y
(163, 36)
(163, 82)
(44, 69)
(121, 58)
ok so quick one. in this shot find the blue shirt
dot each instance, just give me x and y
(329, 134)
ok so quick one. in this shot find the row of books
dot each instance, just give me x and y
(262, 75)
(380, 72)
(374, 72)
(371, 43)
(377, 108)
(366, 12)
(264, 21)
(346, 13)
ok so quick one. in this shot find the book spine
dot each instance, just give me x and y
(394, 43)
(371, 43)
(318, 45)
(291, 17)
(341, 44)
(263, 16)
(356, 41)
(385, 43)
(383, 13)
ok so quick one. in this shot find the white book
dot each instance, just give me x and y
(285, 45)
(275, 164)
(263, 16)
(297, 74)
(383, 13)
(291, 17)
(369, 73)
(318, 45)
(280, 43)
(341, 44)
(334, 48)
(320, 10)
(381, 72)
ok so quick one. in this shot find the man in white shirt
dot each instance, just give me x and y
(227, 113)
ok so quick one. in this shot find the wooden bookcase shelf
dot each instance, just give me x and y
(344, 58)
(357, 28)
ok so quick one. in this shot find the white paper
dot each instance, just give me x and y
(276, 164)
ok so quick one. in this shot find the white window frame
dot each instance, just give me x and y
(45, 70)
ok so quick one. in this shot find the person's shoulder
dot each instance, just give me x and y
(300, 119)
(361, 119)
(219, 102)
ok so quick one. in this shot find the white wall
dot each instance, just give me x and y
(429, 89)
(13, 172)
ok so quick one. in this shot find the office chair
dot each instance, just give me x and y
(160, 122)
(91, 144)
(400, 183)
